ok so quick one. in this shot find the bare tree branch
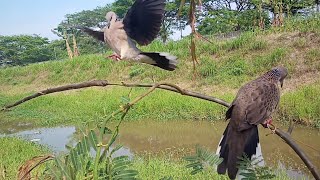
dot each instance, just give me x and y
(287, 138)
(58, 89)
(174, 88)
(165, 86)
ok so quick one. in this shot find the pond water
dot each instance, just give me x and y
(179, 138)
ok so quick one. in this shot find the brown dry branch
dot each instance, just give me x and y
(287, 138)
(174, 88)
(58, 89)
(66, 38)
(25, 169)
(192, 21)
(165, 86)
(76, 52)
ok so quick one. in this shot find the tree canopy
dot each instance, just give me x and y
(23, 49)
(213, 16)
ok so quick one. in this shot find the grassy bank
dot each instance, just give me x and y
(225, 65)
(157, 168)
(14, 152)
(92, 104)
(301, 105)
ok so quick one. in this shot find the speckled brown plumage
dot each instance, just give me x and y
(253, 105)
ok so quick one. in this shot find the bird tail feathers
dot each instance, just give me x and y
(222, 151)
(230, 151)
(162, 60)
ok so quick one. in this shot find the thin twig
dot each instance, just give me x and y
(290, 128)
(125, 110)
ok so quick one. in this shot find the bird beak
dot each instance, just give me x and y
(281, 83)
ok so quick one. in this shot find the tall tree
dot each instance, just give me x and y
(231, 15)
(287, 6)
(172, 21)
(24, 49)
(90, 18)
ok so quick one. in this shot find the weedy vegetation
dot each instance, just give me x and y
(223, 67)
(14, 151)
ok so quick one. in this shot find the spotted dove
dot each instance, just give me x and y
(253, 105)
(141, 24)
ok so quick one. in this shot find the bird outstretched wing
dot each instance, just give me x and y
(99, 35)
(143, 20)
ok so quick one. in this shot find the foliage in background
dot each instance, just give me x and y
(24, 49)
(225, 64)
(211, 17)
(228, 16)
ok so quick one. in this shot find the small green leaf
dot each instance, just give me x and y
(74, 159)
(190, 158)
(195, 164)
(126, 174)
(62, 168)
(93, 139)
(116, 149)
(196, 171)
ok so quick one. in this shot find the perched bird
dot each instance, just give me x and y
(141, 24)
(253, 105)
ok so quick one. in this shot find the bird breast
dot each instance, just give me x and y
(120, 43)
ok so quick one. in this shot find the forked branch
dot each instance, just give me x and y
(103, 83)
(174, 88)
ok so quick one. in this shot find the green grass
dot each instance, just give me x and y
(92, 104)
(302, 105)
(312, 58)
(302, 24)
(14, 152)
(157, 168)
(223, 65)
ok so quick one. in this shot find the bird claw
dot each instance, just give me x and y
(114, 57)
(272, 128)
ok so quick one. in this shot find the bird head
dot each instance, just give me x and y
(280, 73)
(111, 16)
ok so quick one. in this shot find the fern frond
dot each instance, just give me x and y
(201, 160)
(250, 170)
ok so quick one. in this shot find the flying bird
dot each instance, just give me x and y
(253, 105)
(141, 25)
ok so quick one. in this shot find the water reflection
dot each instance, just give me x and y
(55, 138)
(178, 138)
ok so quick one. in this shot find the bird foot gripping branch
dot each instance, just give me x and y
(268, 124)
(114, 57)
(272, 128)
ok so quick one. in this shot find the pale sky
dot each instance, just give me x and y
(40, 16)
